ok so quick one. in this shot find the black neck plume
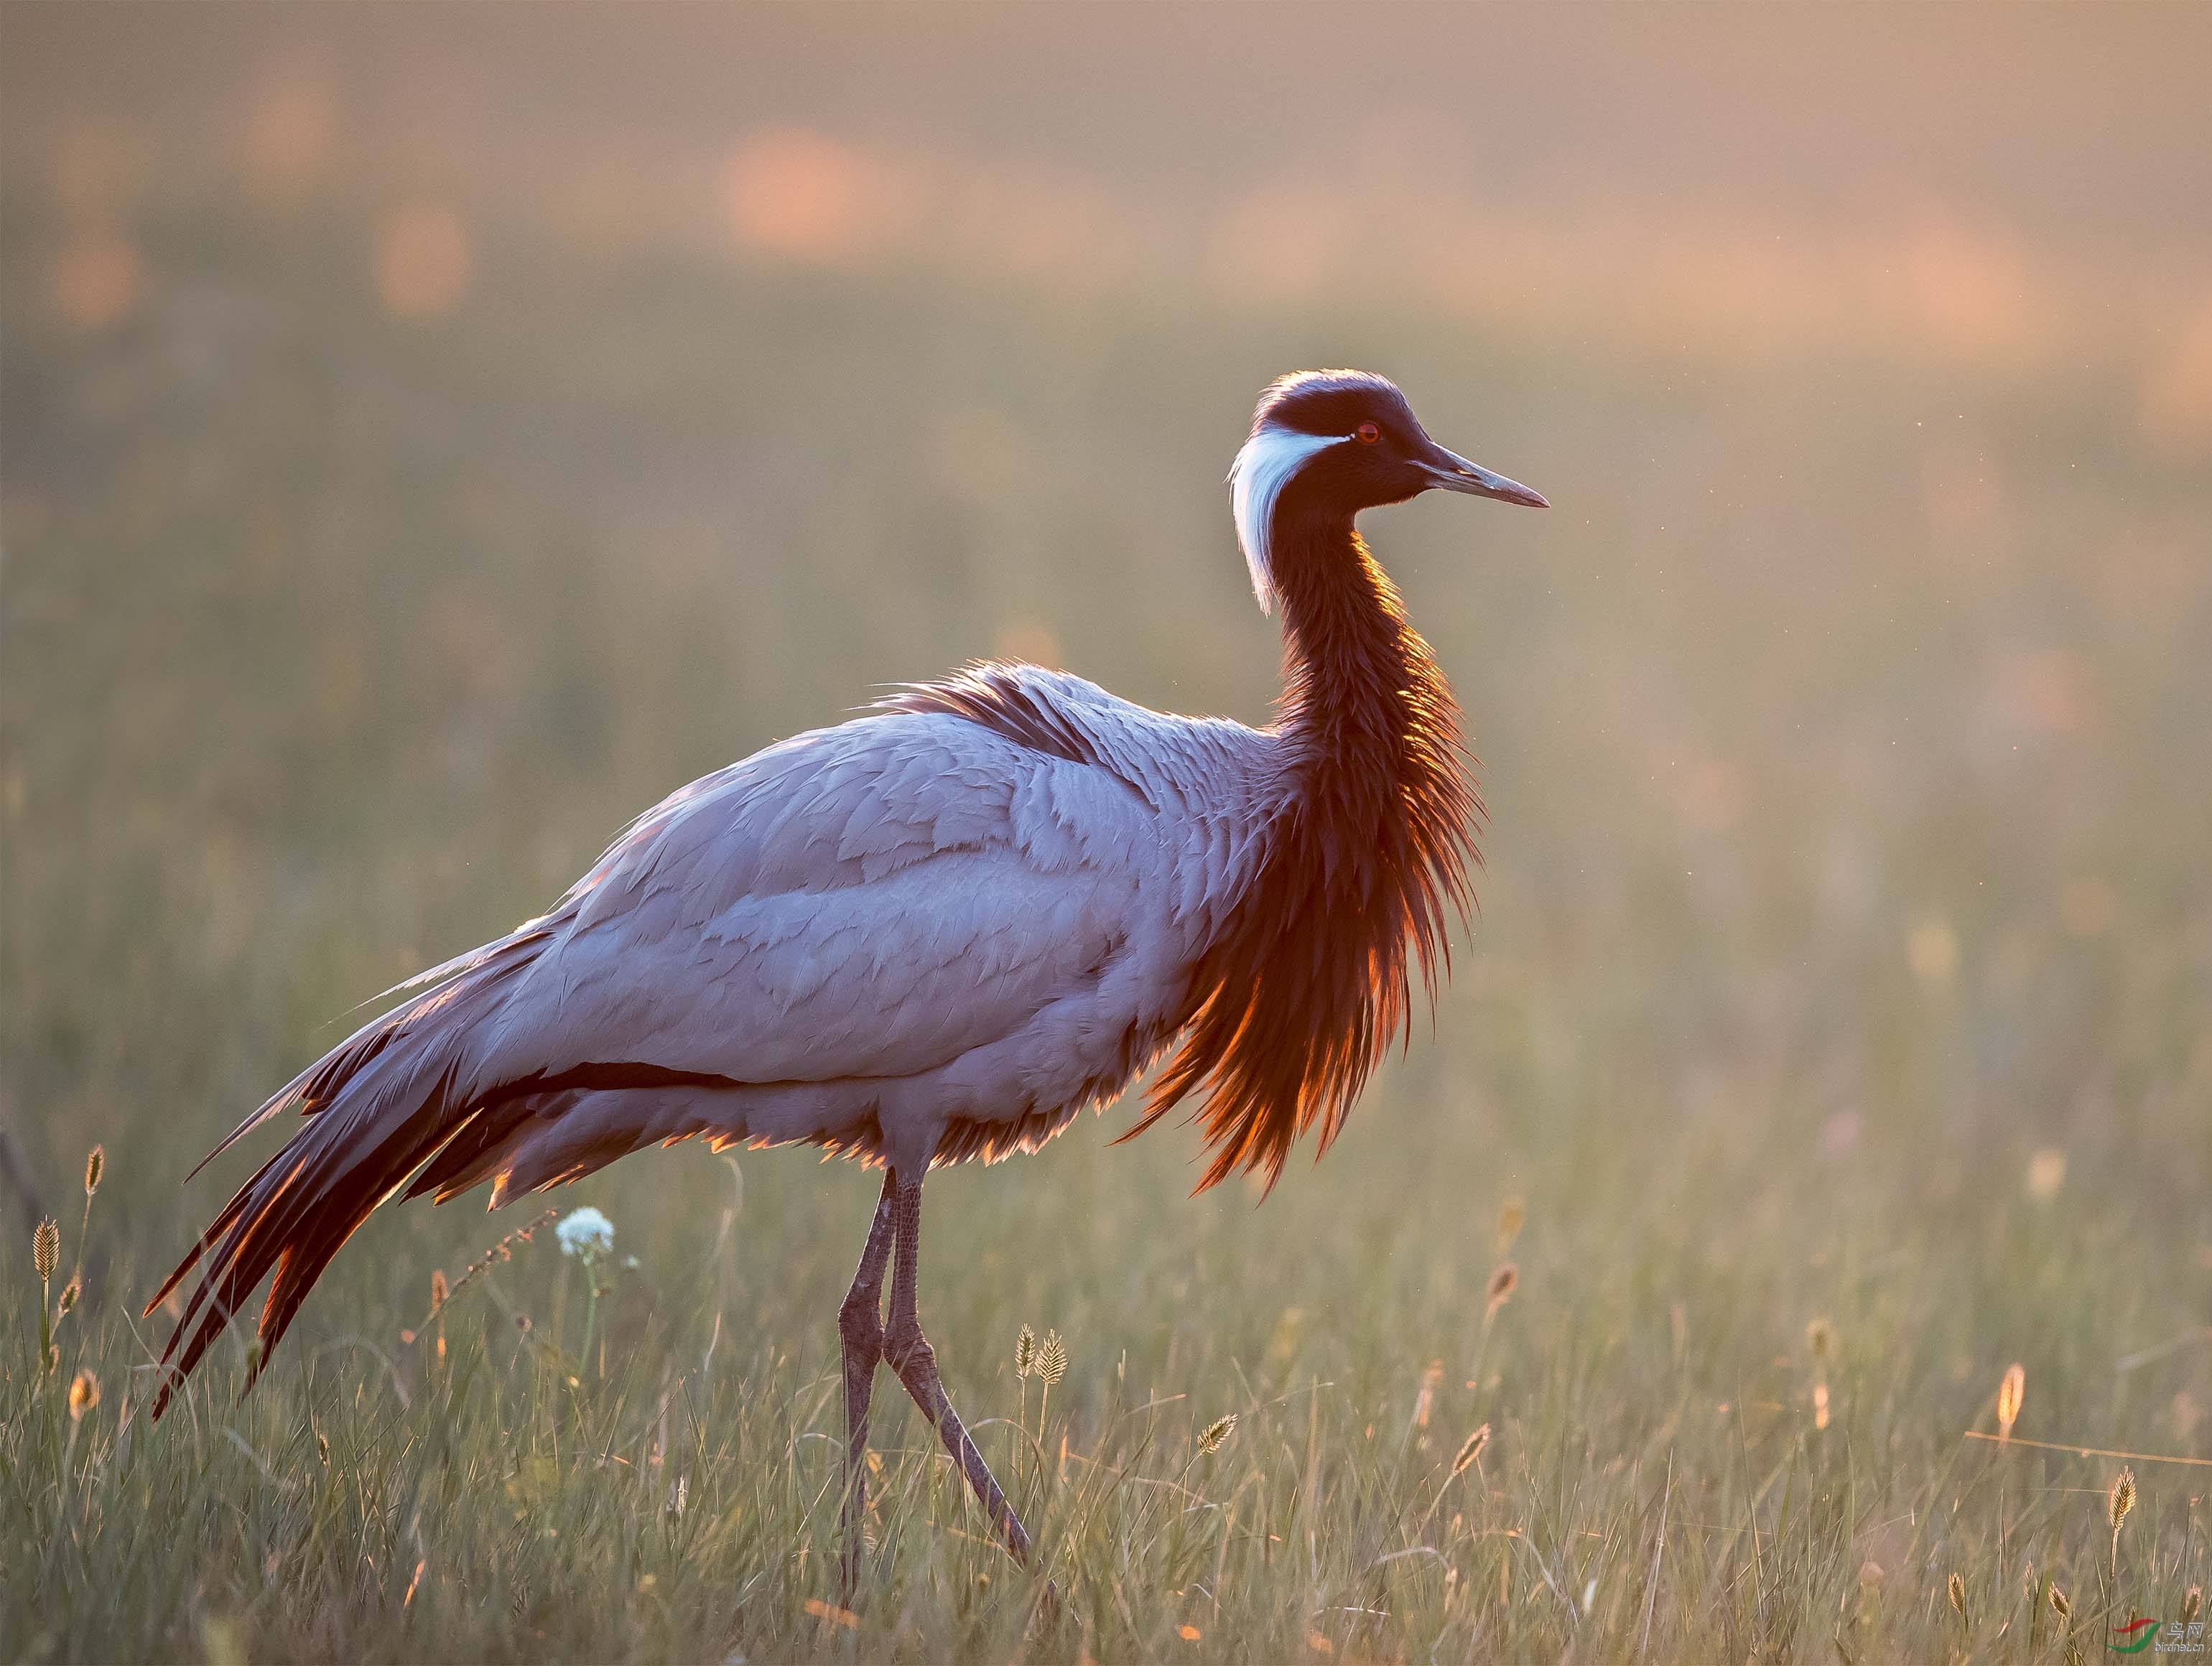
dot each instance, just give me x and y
(1367, 862)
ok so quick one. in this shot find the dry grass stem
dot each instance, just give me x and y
(501, 1251)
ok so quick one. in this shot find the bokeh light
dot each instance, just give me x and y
(798, 194)
(95, 278)
(291, 121)
(423, 260)
(2177, 393)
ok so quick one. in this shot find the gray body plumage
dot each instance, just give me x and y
(910, 937)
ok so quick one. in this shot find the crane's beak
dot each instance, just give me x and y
(1454, 473)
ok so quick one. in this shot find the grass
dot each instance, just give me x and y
(504, 1486)
(1843, 972)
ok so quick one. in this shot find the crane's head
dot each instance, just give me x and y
(1351, 442)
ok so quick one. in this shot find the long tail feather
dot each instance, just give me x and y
(312, 1085)
(379, 1107)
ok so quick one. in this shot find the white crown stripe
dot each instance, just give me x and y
(1257, 477)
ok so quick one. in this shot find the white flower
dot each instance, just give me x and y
(587, 1233)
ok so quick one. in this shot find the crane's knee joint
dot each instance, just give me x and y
(908, 1352)
(861, 1326)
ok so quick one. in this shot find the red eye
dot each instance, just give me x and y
(1368, 433)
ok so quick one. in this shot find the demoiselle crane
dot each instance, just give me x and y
(936, 932)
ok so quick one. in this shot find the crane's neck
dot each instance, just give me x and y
(1366, 858)
(1364, 701)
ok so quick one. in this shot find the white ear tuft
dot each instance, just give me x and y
(1256, 479)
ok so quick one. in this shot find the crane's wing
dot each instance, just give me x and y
(872, 903)
(796, 936)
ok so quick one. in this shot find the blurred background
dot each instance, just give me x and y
(433, 433)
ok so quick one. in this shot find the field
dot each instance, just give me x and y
(1832, 1037)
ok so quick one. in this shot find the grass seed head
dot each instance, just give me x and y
(2122, 1498)
(84, 1395)
(439, 1292)
(1955, 1589)
(2191, 1602)
(70, 1291)
(1470, 1449)
(1512, 1215)
(1025, 1351)
(1052, 1359)
(46, 1249)
(95, 1165)
(1211, 1437)
(2059, 1605)
(1503, 1283)
(1433, 1377)
(2010, 1393)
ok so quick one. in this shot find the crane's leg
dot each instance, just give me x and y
(908, 1353)
(859, 1322)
